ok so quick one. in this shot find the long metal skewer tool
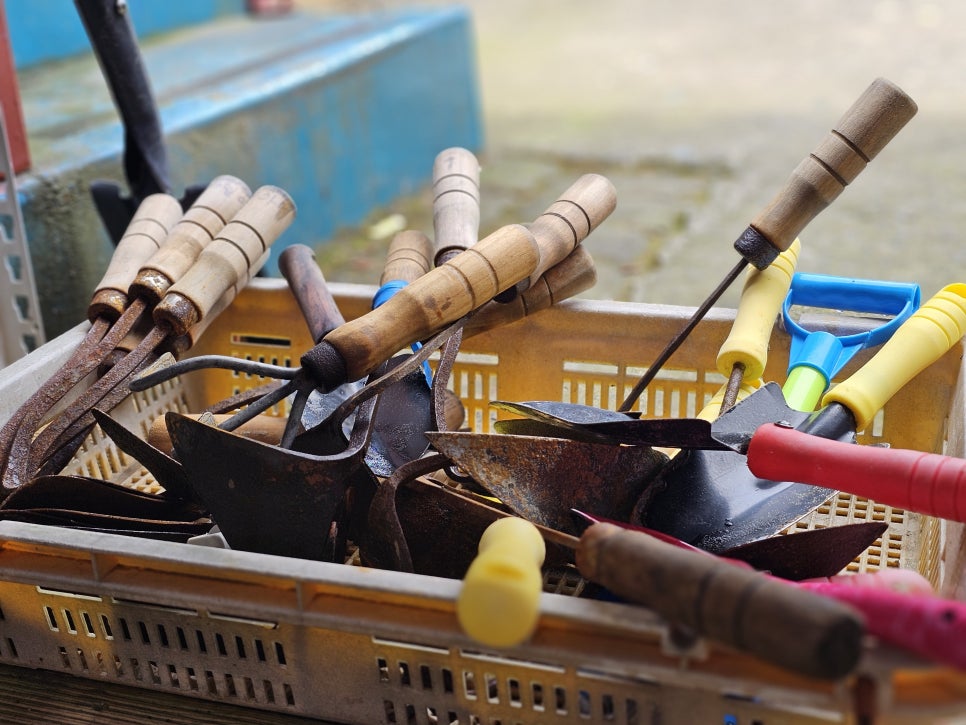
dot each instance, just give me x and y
(865, 129)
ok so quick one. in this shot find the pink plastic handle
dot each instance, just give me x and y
(926, 483)
(929, 626)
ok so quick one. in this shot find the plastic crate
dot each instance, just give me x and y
(351, 644)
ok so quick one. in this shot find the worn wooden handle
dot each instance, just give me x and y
(305, 279)
(568, 221)
(576, 274)
(263, 428)
(409, 257)
(148, 229)
(456, 202)
(180, 344)
(219, 202)
(865, 129)
(795, 629)
(227, 259)
(423, 307)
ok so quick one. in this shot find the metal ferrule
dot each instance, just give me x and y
(755, 247)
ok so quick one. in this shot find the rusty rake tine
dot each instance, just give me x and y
(260, 406)
(294, 417)
(205, 362)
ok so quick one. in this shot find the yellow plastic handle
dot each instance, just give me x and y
(499, 604)
(761, 302)
(919, 342)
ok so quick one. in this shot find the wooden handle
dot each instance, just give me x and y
(744, 609)
(572, 276)
(456, 202)
(307, 283)
(180, 344)
(220, 201)
(263, 428)
(761, 303)
(865, 129)
(226, 260)
(921, 340)
(410, 256)
(148, 229)
(423, 307)
(568, 221)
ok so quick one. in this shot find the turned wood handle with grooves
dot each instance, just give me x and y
(227, 259)
(409, 257)
(149, 227)
(445, 294)
(744, 609)
(180, 344)
(865, 129)
(456, 202)
(572, 276)
(568, 221)
(307, 282)
(219, 202)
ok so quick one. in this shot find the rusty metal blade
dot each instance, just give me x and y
(264, 498)
(809, 554)
(541, 479)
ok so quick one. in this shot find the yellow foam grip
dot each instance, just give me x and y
(761, 302)
(920, 341)
(499, 604)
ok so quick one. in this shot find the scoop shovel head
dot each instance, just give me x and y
(541, 479)
(264, 498)
(710, 499)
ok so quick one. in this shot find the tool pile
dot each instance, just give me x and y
(362, 451)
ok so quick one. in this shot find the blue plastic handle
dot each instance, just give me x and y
(826, 352)
(382, 295)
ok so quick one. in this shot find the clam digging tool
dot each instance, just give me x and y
(816, 356)
(221, 269)
(777, 622)
(145, 235)
(437, 299)
(712, 500)
(865, 129)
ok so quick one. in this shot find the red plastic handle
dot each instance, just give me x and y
(926, 483)
(930, 626)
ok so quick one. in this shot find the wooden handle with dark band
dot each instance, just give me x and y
(865, 129)
(219, 202)
(149, 227)
(463, 284)
(226, 260)
(797, 630)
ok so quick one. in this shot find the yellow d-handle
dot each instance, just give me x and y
(920, 341)
(761, 302)
(499, 603)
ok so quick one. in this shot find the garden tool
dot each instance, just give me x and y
(792, 628)
(712, 500)
(812, 554)
(439, 298)
(147, 231)
(817, 355)
(865, 129)
(927, 625)
(115, 45)
(222, 268)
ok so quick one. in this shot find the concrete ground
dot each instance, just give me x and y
(698, 111)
